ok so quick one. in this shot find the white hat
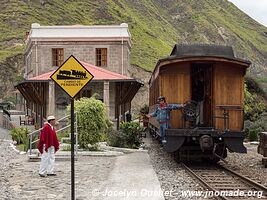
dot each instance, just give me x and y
(50, 118)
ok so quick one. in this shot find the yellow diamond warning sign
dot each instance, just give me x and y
(72, 76)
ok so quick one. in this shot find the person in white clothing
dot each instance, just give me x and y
(48, 145)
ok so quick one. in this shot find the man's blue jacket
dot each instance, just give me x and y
(163, 112)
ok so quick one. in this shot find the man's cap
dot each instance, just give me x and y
(161, 98)
(51, 117)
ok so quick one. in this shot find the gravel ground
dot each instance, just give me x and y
(4, 134)
(248, 164)
(172, 176)
(6, 154)
(21, 179)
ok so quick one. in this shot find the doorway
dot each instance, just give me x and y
(201, 82)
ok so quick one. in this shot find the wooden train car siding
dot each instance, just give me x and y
(153, 96)
(180, 77)
(176, 87)
(228, 90)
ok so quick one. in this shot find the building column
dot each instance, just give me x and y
(51, 98)
(106, 96)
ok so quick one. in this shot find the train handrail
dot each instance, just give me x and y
(225, 116)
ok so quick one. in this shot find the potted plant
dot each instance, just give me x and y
(143, 112)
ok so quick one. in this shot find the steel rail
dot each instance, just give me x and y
(203, 182)
(248, 182)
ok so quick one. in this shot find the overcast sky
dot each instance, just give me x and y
(257, 9)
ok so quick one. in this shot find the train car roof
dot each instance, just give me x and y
(200, 52)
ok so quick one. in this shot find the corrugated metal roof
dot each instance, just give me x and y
(99, 74)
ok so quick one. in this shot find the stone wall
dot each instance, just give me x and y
(83, 51)
(94, 87)
(142, 96)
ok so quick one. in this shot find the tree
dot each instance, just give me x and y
(92, 120)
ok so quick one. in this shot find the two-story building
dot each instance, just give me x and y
(103, 50)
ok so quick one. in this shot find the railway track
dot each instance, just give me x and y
(222, 183)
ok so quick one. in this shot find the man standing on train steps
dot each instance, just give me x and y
(48, 145)
(162, 113)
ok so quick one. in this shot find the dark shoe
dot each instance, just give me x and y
(51, 174)
(41, 175)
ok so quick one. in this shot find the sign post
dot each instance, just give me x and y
(72, 77)
(72, 149)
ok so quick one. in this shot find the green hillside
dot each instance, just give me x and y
(155, 25)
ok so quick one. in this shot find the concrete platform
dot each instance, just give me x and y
(133, 178)
(66, 155)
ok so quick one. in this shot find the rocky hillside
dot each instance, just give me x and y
(155, 25)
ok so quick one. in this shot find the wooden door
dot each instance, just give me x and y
(176, 87)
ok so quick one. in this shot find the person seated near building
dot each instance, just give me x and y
(162, 113)
(128, 116)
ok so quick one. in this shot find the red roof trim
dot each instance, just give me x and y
(97, 72)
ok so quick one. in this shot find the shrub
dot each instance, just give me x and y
(144, 109)
(20, 135)
(92, 121)
(253, 134)
(108, 130)
(252, 129)
(254, 106)
(127, 137)
(64, 134)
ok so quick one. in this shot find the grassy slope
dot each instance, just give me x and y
(155, 25)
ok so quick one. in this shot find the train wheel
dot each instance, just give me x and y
(177, 156)
(220, 151)
(211, 159)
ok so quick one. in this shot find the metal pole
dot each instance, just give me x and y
(31, 144)
(72, 150)
(76, 133)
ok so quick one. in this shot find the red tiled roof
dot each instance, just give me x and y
(97, 72)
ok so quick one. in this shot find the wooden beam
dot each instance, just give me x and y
(24, 93)
(35, 88)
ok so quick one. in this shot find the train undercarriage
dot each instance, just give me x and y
(201, 143)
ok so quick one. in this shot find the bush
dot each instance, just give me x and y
(252, 129)
(108, 130)
(20, 135)
(254, 106)
(92, 121)
(64, 134)
(144, 109)
(253, 134)
(11, 100)
(127, 137)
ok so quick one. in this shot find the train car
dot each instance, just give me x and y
(210, 80)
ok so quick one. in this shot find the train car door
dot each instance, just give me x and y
(201, 76)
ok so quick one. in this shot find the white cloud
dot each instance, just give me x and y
(256, 9)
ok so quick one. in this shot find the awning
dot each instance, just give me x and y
(99, 74)
(30, 88)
